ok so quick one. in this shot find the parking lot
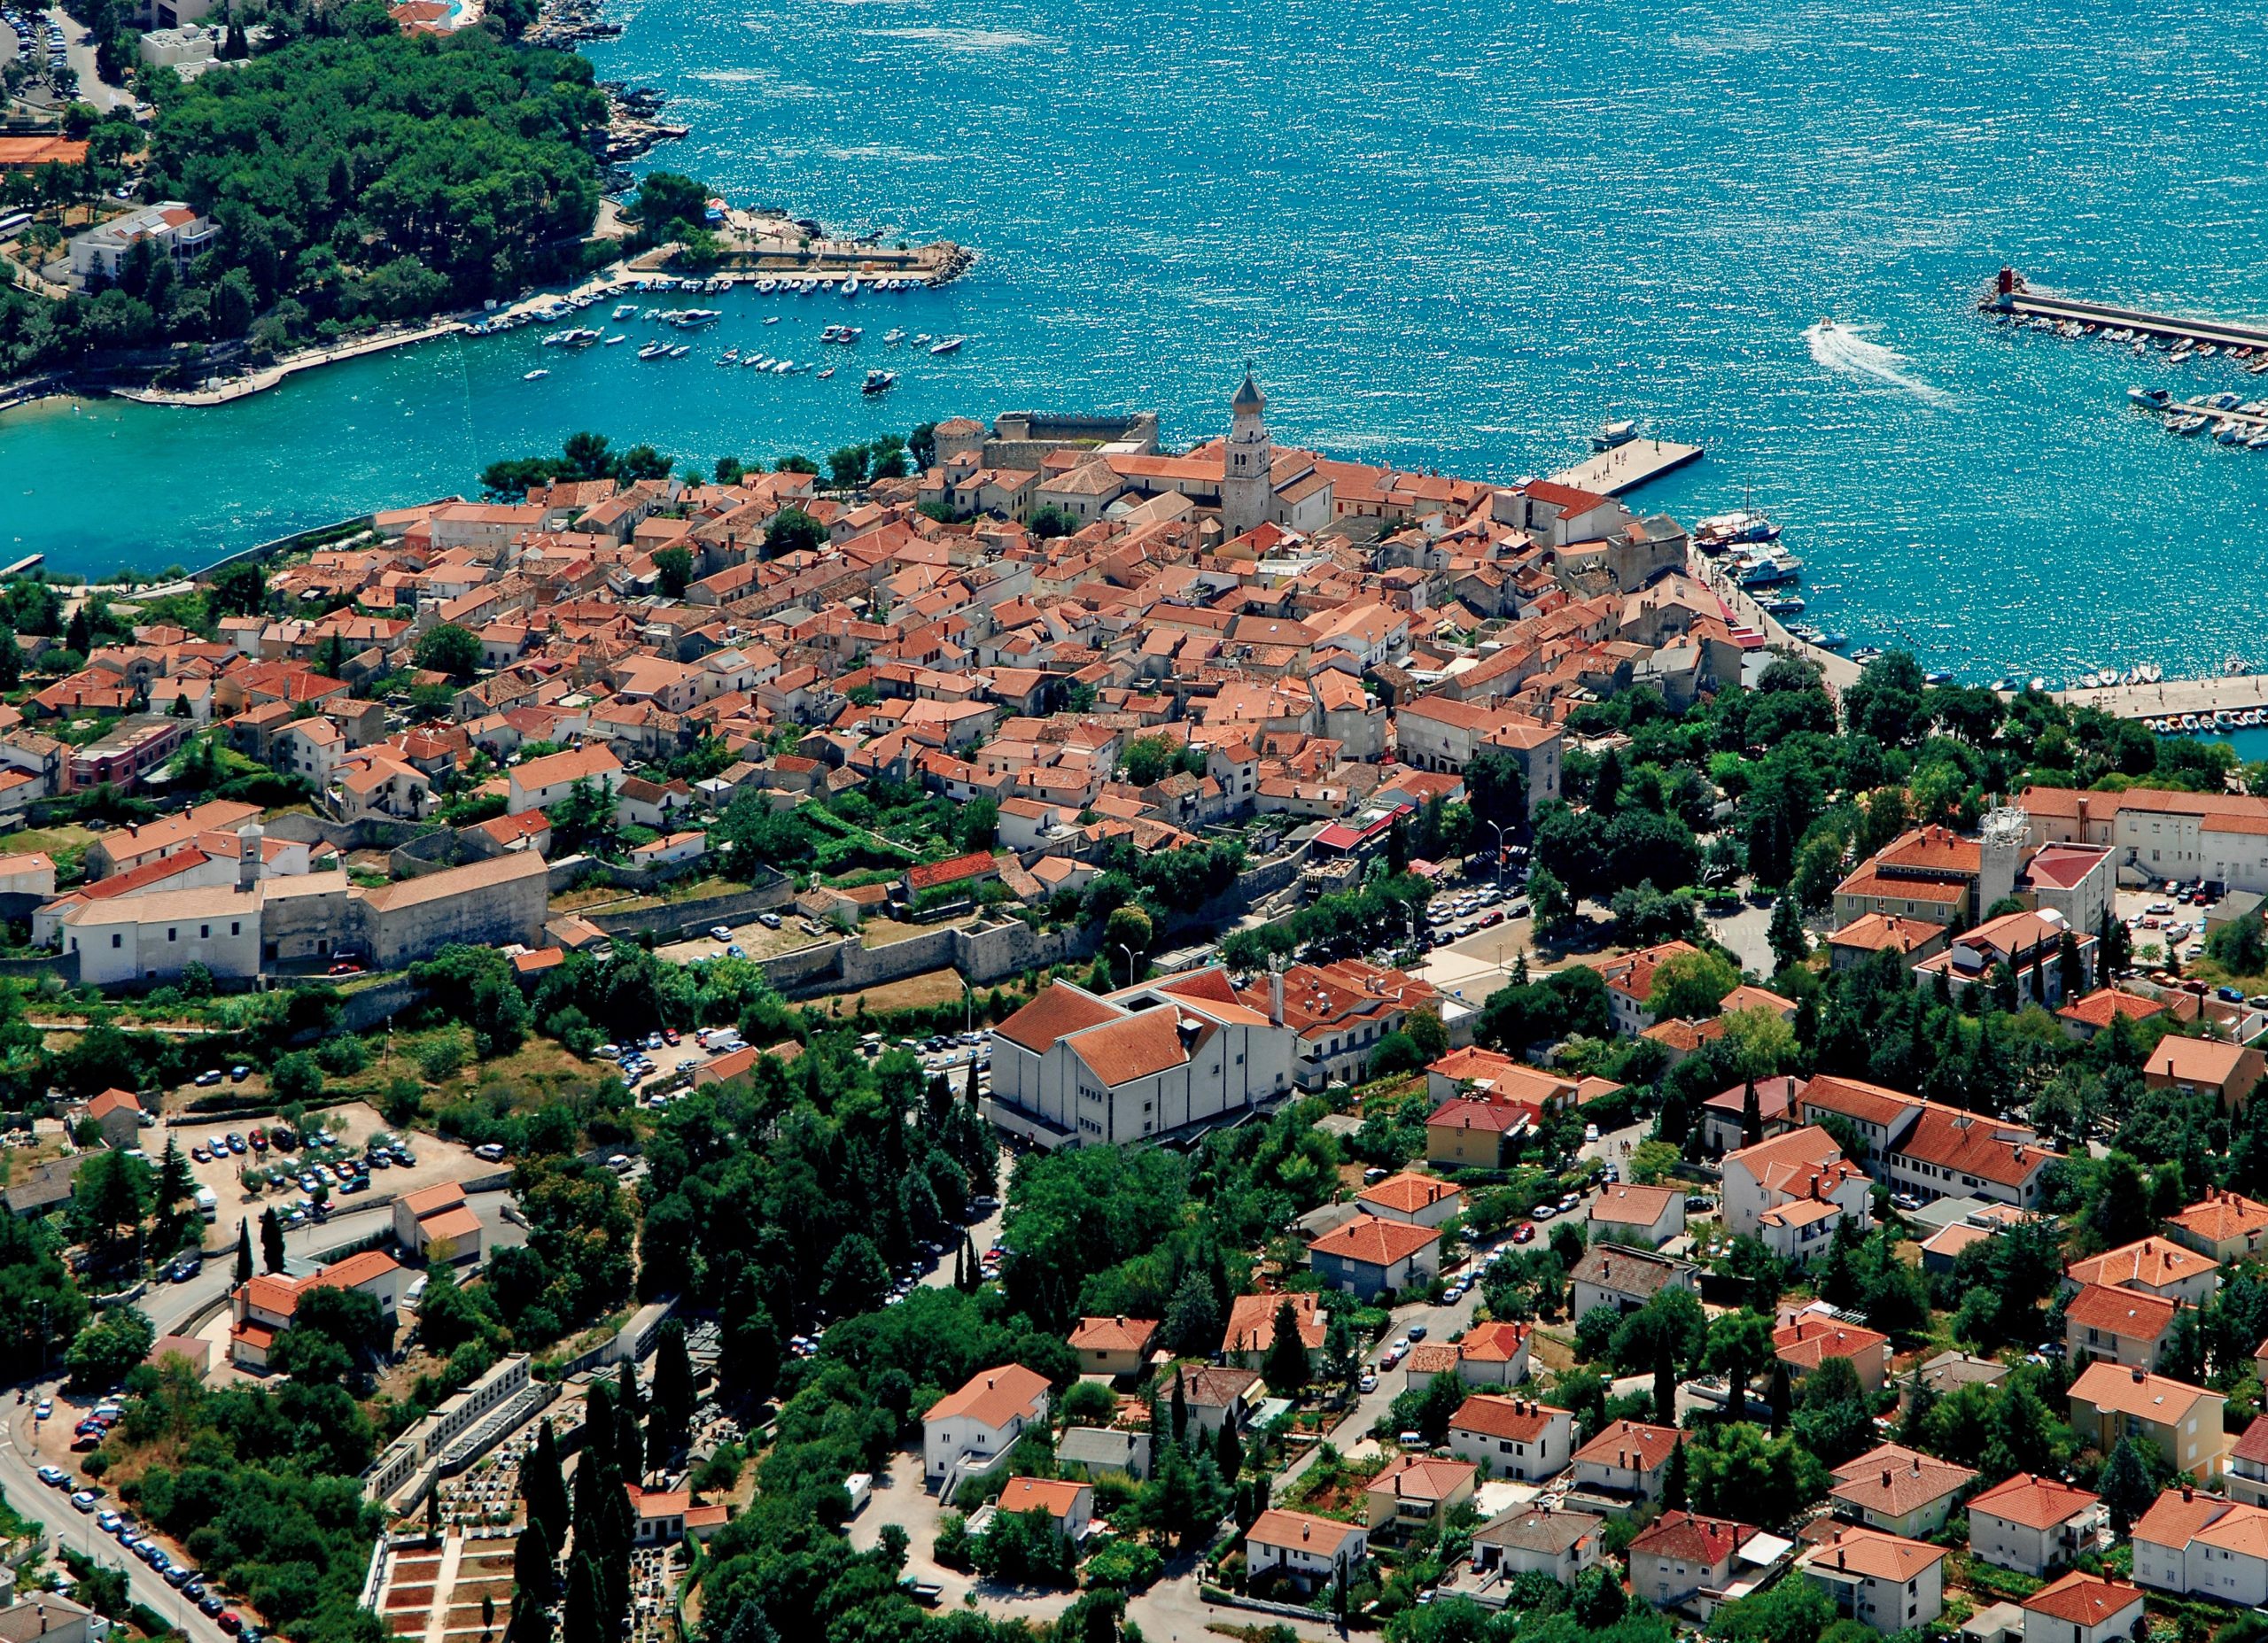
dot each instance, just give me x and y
(766, 935)
(352, 1127)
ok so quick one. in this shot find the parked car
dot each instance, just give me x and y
(491, 1152)
(238, 1074)
(54, 1476)
(720, 933)
(209, 1077)
(84, 1500)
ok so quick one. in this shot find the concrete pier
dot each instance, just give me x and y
(2012, 297)
(1839, 671)
(1627, 467)
(2235, 693)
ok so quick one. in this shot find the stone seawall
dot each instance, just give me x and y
(670, 920)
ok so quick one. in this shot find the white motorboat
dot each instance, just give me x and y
(535, 376)
(947, 345)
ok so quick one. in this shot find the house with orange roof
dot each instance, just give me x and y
(1802, 1166)
(2109, 1401)
(1114, 1346)
(1624, 1461)
(1889, 1582)
(1477, 1134)
(2247, 1468)
(265, 1303)
(1421, 1200)
(437, 1217)
(1899, 1490)
(1489, 1075)
(2195, 1544)
(1630, 980)
(538, 784)
(2123, 1326)
(1303, 1549)
(1928, 874)
(1637, 1217)
(980, 1422)
(1069, 1504)
(1723, 1114)
(2156, 1266)
(1862, 937)
(2082, 1608)
(1251, 1328)
(1371, 1255)
(1494, 1354)
(2032, 1524)
(2225, 1225)
(1809, 1340)
(1415, 1493)
(119, 1112)
(2206, 1066)
(2083, 1018)
(2029, 945)
(1949, 1153)
(1686, 1562)
(1518, 1439)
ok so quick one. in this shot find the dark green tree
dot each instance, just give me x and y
(271, 1239)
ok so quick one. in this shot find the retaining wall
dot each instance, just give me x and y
(984, 954)
(672, 919)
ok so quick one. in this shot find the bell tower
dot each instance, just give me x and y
(1245, 489)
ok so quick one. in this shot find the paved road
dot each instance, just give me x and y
(30, 1497)
(170, 1306)
(79, 49)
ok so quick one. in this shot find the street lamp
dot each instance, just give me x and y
(1130, 960)
(1499, 826)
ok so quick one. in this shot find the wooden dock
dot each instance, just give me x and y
(2013, 299)
(1627, 467)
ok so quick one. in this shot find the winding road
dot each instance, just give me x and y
(25, 1446)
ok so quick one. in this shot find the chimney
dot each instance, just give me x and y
(1886, 1477)
(2139, 1375)
(1275, 998)
(2187, 1492)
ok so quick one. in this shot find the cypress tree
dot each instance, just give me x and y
(1751, 1115)
(271, 1239)
(598, 1421)
(673, 1392)
(1228, 1453)
(244, 1250)
(1665, 1388)
(1781, 1396)
(1180, 1410)
(532, 1572)
(1675, 1486)
(629, 1445)
(581, 1614)
(544, 1487)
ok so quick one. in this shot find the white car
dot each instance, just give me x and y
(1590, 1132)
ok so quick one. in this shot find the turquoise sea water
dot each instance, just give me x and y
(1448, 235)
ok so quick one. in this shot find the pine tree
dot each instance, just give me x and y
(544, 1487)
(243, 1251)
(271, 1239)
(1675, 1486)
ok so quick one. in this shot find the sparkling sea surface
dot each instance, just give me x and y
(1447, 236)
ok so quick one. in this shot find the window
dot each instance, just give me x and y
(171, 932)
(204, 931)
(234, 927)
(116, 940)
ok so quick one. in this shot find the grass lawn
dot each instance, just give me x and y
(934, 986)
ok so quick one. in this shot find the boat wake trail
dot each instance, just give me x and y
(1847, 353)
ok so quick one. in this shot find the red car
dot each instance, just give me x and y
(1527, 1233)
(228, 1622)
